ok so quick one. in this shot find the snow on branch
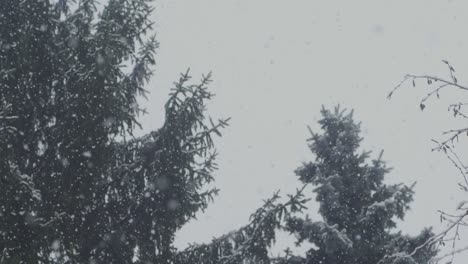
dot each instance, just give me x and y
(250, 242)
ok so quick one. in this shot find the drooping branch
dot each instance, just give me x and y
(430, 79)
(250, 242)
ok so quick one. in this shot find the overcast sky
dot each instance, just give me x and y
(275, 63)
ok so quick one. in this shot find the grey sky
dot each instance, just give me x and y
(276, 62)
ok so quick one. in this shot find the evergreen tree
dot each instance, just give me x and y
(359, 210)
(76, 185)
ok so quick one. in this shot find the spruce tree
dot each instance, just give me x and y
(359, 210)
(76, 185)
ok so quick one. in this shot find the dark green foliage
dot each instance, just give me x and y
(76, 186)
(355, 204)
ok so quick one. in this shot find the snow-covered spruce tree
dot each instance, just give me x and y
(158, 182)
(71, 191)
(358, 209)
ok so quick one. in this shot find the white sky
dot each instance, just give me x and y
(276, 62)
